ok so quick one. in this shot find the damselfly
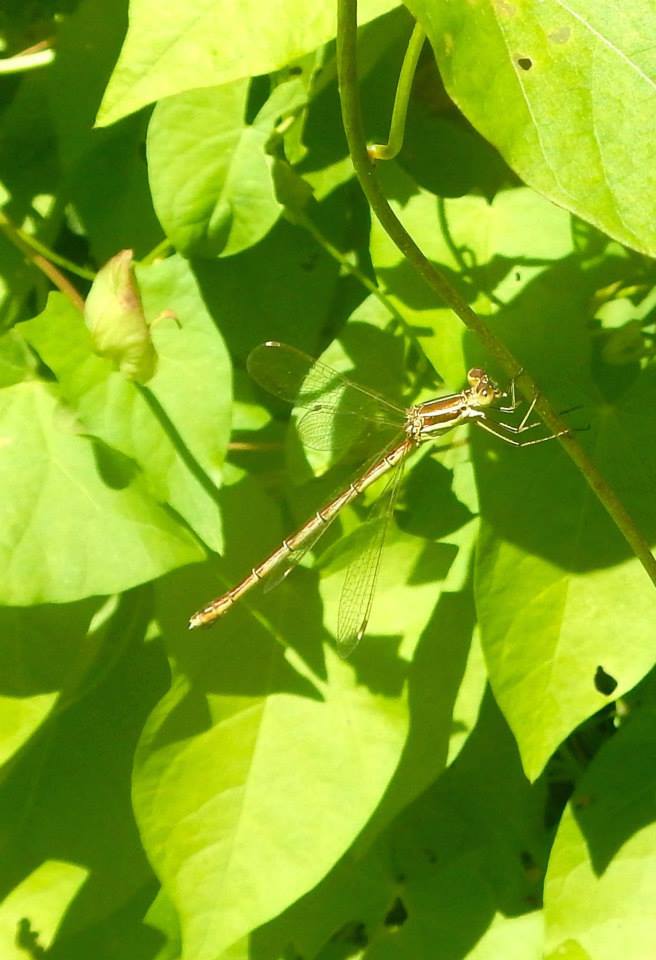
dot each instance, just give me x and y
(338, 411)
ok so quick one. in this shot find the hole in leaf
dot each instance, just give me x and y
(604, 682)
(525, 63)
(397, 914)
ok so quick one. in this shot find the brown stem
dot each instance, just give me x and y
(41, 263)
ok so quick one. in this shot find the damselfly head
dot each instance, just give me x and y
(484, 391)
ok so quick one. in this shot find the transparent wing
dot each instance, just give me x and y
(361, 575)
(333, 430)
(296, 556)
(294, 376)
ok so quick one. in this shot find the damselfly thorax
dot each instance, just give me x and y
(432, 417)
(328, 396)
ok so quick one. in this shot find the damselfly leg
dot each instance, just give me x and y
(497, 427)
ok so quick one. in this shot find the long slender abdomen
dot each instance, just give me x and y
(222, 604)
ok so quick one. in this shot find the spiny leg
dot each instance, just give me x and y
(514, 402)
(497, 431)
(523, 424)
(510, 427)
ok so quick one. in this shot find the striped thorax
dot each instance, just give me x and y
(436, 416)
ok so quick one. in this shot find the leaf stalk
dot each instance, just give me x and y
(387, 151)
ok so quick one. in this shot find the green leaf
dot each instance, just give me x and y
(251, 303)
(210, 175)
(42, 654)
(601, 882)
(88, 44)
(67, 532)
(175, 429)
(413, 617)
(338, 915)
(450, 869)
(15, 361)
(491, 251)
(29, 177)
(111, 196)
(564, 92)
(546, 636)
(201, 44)
(70, 794)
(235, 842)
(460, 854)
(107, 184)
(548, 553)
(32, 912)
(163, 918)
(569, 950)
(446, 683)
(515, 938)
(371, 808)
(556, 583)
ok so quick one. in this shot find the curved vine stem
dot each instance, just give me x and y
(347, 72)
(23, 239)
(31, 250)
(387, 151)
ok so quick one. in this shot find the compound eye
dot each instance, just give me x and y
(475, 376)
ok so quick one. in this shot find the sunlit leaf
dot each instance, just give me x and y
(67, 532)
(490, 250)
(32, 912)
(173, 49)
(564, 91)
(210, 175)
(241, 835)
(556, 583)
(602, 864)
(176, 428)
